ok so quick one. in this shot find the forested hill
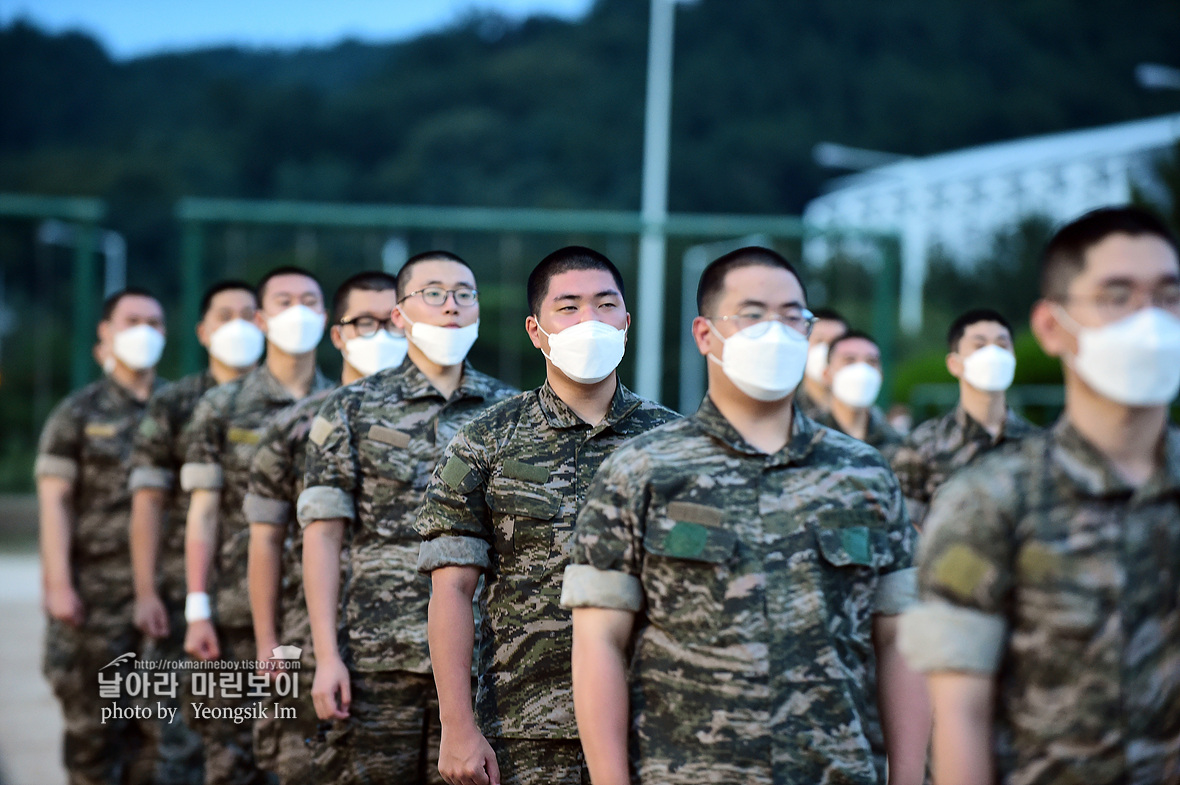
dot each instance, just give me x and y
(550, 113)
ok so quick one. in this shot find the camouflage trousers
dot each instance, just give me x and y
(229, 745)
(181, 754)
(285, 744)
(98, 750)
(391, 734)
(540, 761)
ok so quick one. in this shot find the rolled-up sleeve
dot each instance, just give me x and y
(61, 442)
(152, 453)
(455, 522)
(205, 443)
(331, 465)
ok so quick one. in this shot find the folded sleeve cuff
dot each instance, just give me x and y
(937, 636)
(589, 587)
(201, 477)
(453, 552)
(55, 466)
(896, 592)
(260, 509)
(149, 477)
(323, 503)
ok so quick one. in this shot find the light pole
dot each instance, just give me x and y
(654, 207)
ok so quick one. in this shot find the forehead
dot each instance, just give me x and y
(291, 284)
(137, 306)
(826, 330)
(580, 283)
(367, 301)
(1143, 259)
(855, 347)
(986, 329)
(232, 298)
(772, 286)
(440, 271)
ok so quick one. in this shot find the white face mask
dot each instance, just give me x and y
(237, 343)
(297, 330)
(443, 345)
(375, 353)
(108, 365)
(817, 362)
(1134, 361)
(139, 347)
(586, 352)
(856, 385)
(989, 368)
(765, 360)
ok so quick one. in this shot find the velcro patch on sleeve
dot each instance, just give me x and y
(519, 470)
(455, 473)
(243, 436)
(101, 430)
(690, 512)
(389, 436)
(320, 428)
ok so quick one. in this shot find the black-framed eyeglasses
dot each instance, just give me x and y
(367, 326)
(798, 319)
(436, 295)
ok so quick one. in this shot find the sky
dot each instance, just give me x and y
(130, 28)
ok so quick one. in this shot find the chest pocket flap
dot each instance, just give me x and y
(695, 533)
(386, 449)
(523, 498)
(845, 541)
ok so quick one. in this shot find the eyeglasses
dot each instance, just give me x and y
(367, 326)
(1115, 302)
(798, 319)
(436, 295)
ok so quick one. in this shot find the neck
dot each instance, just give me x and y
(1127, 436)
(989, 409)
(349, 374)
(765, 425)
(445, 378)
(294, 371)
(816, 391)
(223, 373)
(854, 422)
(591, 402)
(138, 383)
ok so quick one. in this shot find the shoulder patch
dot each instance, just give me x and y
(519, 470)
(962, 571)
(320, 428)
(389, 436)
(148, 427)
(690, 512)
(101, 430)
(455, 473)
(243, 436)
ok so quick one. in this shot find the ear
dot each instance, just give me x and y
(260, 320)
(1054, 339)
(203, 334)
(399, 320)
(703, 335)
(534, 331)
(954, 364)
(104, 331)
(337, 336)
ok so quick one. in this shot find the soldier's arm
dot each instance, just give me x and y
(202, 476)
(963, 703)
(150, 481)
(56, 471)
(601, 702)
(903, 704)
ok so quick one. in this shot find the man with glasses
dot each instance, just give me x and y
(369, 455)
(501, 505)
(735, 574)
(1049, 623)
(363, 333)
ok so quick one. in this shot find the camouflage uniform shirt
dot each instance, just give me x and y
(806, 404)
(878, 434)
(87, 440)
(156, 459)
(504, 498)
(223, 436)
(369, 459)
(276, 479)
(938, 448)
(755, 579)
(1042, 568)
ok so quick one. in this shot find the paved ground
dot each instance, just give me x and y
(30, 724)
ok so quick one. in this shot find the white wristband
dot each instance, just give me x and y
(196, 606)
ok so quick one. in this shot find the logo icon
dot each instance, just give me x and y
(286, 652)
(122, 658)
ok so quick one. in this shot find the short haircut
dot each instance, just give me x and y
(848, 336)
(954, 333)
(829, 315)
(564, 260)
(224, 286)
(368, 281)
(287, 269)
(1065, 255)
(403, 275)
(713, 278)
(112, 301)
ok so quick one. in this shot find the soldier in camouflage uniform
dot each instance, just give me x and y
(81, 470)
(502, 504)
(814, 395)
(854, 374)
(361, 309)
(736, 574)
(980, 343)
(158, 509)
(223, 436)
(370, 454)
(1048, 624)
